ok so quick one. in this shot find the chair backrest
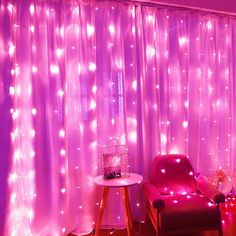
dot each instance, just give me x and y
(173, 174)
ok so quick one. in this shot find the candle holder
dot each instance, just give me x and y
(115, 160)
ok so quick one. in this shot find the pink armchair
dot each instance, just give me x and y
(177, 201)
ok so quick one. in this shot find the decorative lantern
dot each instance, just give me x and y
(115, 160)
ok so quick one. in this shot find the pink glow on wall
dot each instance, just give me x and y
(74, 75)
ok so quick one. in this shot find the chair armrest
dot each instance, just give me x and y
(153, 196)
(209, 190)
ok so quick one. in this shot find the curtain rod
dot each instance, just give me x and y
(179, 6)
(154, 3)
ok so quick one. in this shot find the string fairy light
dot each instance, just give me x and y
(22, 174)
(162, 106)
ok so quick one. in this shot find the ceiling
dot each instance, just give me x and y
(215, 5)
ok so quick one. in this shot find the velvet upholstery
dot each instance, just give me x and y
(173, 174)
(188, 211)
(209, 191)
(177, 201)
(154, 196)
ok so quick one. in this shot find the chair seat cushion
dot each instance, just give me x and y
(188, 211)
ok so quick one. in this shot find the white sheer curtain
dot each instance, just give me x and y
(74, 74)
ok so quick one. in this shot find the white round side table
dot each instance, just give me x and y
(123, 184)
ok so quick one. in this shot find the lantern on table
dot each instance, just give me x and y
(115, 160)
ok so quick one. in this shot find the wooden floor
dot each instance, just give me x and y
(146, 229)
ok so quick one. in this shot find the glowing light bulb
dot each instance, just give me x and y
(13, 197)
(112, 29)
(209, 25)
(182, 41)
(11, 49)
(150, 18)
(32, 28)
(13, 177)
(163, 171)
(134, 84)
(163, 139)
(210, 204)
(90, 30)
(34, 69)
(155, 106)
(59, 52)
(34, 111)
(185, 124)
(32, 133)
(63, 190)
(17, 155)
(63, 152)
(119, 63)
(150, 52)
(94, 89)
(63, 170)
(32, 9)
(10, 7)
(11, 90)
(92, 66)
(79, 68)
(133, 29)
(112, 121)
(54, 69)
(15, 114)
(62, 133)
(32, 154)
(133, 137)
(33, 48)
(92, 105)
(60, 93)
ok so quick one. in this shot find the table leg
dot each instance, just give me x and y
(128, 205)
(101, 209)
(128, 217)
